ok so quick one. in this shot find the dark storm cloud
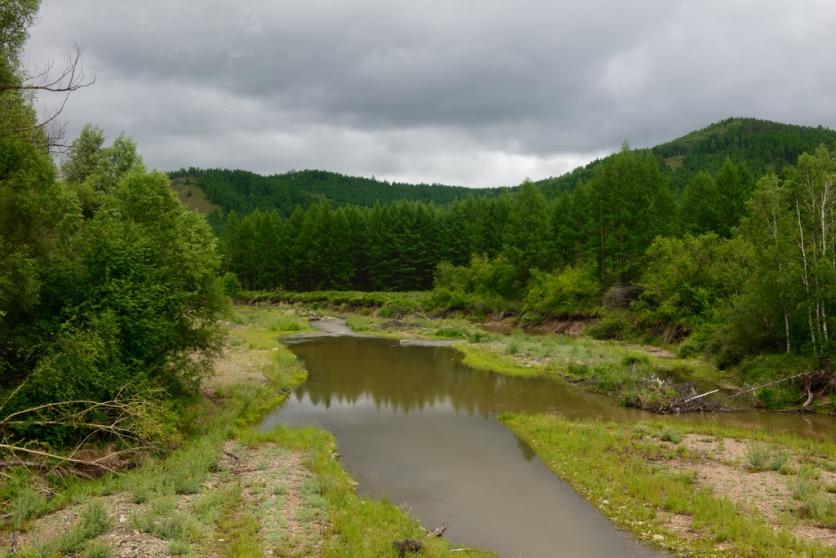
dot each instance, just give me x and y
(476, 92)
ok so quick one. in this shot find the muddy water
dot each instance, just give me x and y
(419, 428)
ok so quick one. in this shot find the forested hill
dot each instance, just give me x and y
(244, 191)
(760, 145)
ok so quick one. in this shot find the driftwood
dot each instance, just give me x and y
(437, 532)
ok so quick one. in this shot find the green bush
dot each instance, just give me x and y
(611, 326)
(571, 291)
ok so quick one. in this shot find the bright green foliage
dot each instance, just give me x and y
(484, 286)
(571, 291)
(734, 186)
(686, 277)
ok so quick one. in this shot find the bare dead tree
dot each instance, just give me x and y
(64, 83)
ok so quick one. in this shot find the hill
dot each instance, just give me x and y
(761, 145)
(244, 191)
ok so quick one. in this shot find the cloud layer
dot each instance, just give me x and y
(474, 92)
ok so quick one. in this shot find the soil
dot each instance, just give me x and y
(720, 464)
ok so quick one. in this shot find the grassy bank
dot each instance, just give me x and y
(697, 491)
(229, 490)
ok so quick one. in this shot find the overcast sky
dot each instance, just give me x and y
(473, 92)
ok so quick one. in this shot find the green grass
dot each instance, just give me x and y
(762, 457)
(610, 461)
(92, 522)
(192, 196)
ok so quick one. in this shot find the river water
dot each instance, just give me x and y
(417, 427)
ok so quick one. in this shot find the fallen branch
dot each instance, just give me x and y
(776, 382)
(700, 396)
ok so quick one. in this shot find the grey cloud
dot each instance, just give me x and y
(469, 91)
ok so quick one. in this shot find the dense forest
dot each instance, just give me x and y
(760, 145)
(243, 191)
(108, 286)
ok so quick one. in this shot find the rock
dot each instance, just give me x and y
(658, 538)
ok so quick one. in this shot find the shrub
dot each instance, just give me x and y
(611, 326)
(761, 457)
(571, 291)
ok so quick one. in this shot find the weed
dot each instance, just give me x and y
(93, 522)
(761, 457)
(97, 550)
(670, 435)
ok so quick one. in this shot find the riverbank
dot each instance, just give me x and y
(687, 484)
(696, 490)
(229, 490)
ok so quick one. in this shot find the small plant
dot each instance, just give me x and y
(93, 522)
(670, 435)
(761, 457)
(97, 550)
(641, 430)
(450, 333)
(578, 369)
(632, 360)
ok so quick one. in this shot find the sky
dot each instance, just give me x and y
(470, 92)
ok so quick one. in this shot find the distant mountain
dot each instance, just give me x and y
(760, 144)
(244, 191)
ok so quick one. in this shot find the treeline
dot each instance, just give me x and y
(243, 191)
(108, 285)
(392, 247)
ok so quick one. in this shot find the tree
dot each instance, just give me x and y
(701, 207)
(527, 233)
(814, 200)
(632, 205)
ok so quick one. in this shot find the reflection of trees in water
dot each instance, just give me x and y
(414, 378)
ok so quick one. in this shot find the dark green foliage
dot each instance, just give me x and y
(242, 191)
(631, 205)
(762, 146)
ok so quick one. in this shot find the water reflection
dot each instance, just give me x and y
(409, 379)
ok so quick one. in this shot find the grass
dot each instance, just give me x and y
(613, 462)
(762, 457)
(92, 522)
(813, 502)
(192, 196)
